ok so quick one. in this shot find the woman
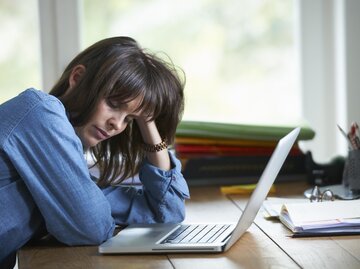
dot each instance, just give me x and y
(121, 106)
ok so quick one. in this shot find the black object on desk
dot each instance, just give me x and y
(324, 174)
(336, 176)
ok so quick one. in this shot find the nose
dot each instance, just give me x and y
(117, 124)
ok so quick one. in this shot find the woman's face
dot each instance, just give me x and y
(110, 119)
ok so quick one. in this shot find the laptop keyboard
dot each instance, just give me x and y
(187, 234)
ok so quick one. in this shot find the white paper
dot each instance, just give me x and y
(322, 212)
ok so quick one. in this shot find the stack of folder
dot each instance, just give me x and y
(224, 153)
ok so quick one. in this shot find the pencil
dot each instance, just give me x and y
(242, 189)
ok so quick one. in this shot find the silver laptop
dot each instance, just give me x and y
(200, 237)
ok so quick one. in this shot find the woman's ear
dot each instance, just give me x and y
(76, 73)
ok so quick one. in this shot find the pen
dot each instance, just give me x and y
(346, 136)
(356, 127)
(354, 130)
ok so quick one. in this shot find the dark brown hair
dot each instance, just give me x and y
(117, 68)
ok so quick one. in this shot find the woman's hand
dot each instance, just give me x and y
(151, 136)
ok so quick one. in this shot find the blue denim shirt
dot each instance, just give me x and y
(45, 181)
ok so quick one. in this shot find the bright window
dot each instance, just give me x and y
(19, 47)
(238, 56)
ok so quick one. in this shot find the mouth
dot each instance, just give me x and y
(101, 134)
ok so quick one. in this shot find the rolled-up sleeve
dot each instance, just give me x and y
(48, 156)
(160, 199)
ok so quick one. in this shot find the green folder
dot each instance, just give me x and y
(239, 131)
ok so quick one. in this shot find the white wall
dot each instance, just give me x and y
(60, 37)
(351, 37)
(329, 40)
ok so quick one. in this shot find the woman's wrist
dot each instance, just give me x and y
(155, 147)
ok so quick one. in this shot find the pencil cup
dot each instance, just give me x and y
(351, 176)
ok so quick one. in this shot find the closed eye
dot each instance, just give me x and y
(112, 103)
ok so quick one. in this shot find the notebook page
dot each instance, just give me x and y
(322, 211)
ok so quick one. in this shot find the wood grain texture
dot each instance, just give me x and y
(265, 245)
(40, 257)
(311, 252)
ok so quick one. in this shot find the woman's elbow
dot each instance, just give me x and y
(91, 233)
(99, 235)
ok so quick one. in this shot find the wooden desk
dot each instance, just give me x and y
(265, 245)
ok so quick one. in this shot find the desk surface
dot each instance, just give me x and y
(266, 244)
